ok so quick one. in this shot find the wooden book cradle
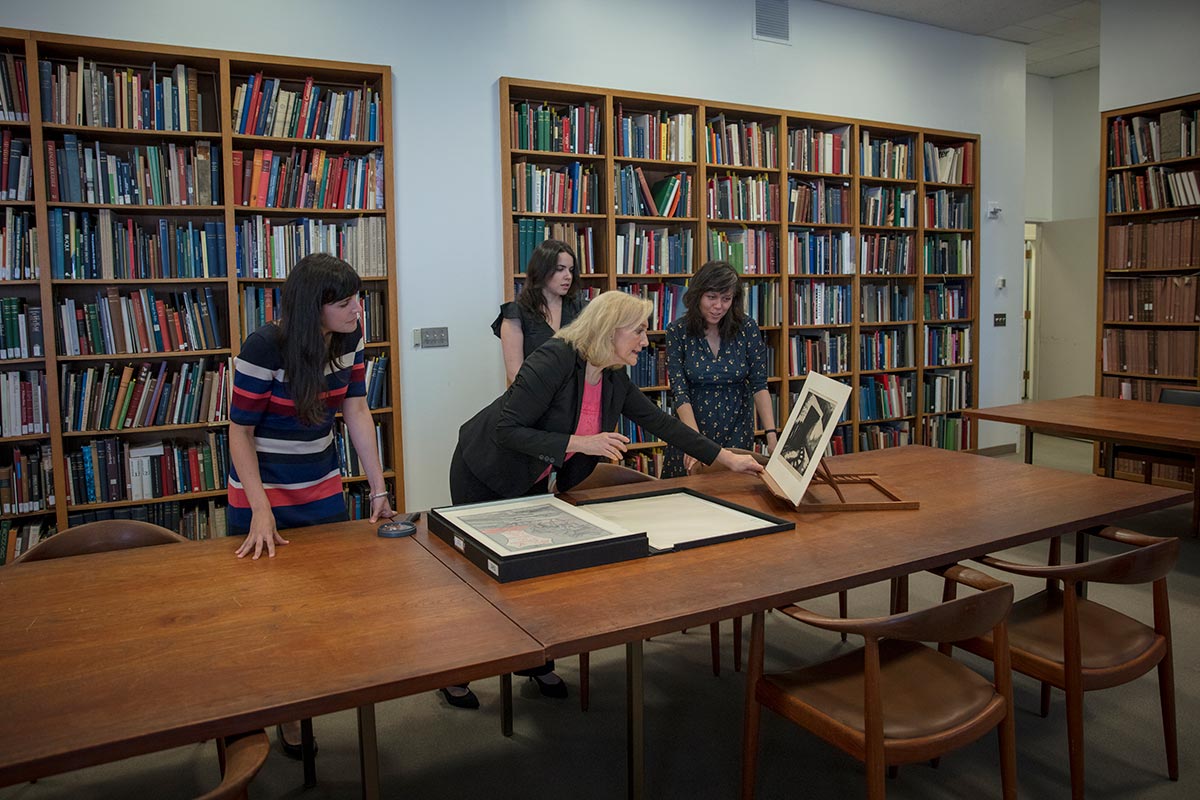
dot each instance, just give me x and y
(874, 494)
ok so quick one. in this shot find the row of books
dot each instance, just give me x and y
(669, 196)
(659, 135)
(636, 433)
(819, 201)
(890, 206)
(557, 129)
(140, 323)
(195, 520)
(570, 189)
(357, 497)
(885, 397)
(1149, 352)
(261, 107)
(947, 254)
(349, 462)
(651, 367)
(821, 303)
(100, 246)
(1166, 299)
(887, 302)
(26, 479)
(16, 168)
(948, 433)
(1167, 243)
(1143, 139)
(530, 232)
(644, 250)
(819, 252)
(887, 254)
(154, 175)
(745, 198)
(1158, 472)
(881, 437)
(889, 348)
(110, 470)
(947, 345)
(14, 89)
(269, 248)
(112, 396)
(824, 352)
(947, 301)
(21, 333)
(127, 98)
(762, 302)
(886, 157)
(667, 300)
(19, 246)
(1131, 388)
(376, 379)
(308, 178)
(946, 391)
(260, 305)
(23, 409)
(1157, 187)
(751, 251)
(950, 164)
(648, 462)
(814, 150)
(948, 209)
(741, 143)
(17, 536)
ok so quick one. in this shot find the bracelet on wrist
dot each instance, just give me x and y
(771, 430)
(377, 495)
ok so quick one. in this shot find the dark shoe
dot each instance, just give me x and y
(292, 751)
(468, 700)
(556, 689)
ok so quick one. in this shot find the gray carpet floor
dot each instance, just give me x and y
(693, 723)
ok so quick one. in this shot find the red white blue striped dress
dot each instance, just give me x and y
(298, 463)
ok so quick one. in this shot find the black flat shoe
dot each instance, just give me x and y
(292, 751)
(468, 700)
(557, 690)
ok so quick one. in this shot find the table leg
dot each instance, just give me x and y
(1196, 497)
(1028, 445)
(506, 711)
(635, 736)
(1110, 460)
(309, 753)
(1083, 548)
(368, 752)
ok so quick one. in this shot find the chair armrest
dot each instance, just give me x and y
(1127, 537)
(1028, 570)
(968, 577)
(837, 624)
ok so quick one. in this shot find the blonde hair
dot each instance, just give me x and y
(592, 331)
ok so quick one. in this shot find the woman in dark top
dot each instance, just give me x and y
(549, 300)
(560, 413)
(717, 364)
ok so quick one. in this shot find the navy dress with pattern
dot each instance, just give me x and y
(720, 388)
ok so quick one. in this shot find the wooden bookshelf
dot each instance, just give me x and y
(234, 256)
(1148, 300)
(801, 180)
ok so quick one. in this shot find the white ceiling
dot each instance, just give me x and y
(1061, 36)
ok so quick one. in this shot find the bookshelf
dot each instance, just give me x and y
(171, 188)
(859, 255)
(1148, 314)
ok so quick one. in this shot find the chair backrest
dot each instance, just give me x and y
(1179, 395)
(240, 762)
(611, 475)
(99, 537)
(699, 468)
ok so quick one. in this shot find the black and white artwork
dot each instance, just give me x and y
(807, 433)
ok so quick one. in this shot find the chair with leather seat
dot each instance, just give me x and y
(241, 757)
(895, 700)
(1066, 641)
(1149, 456)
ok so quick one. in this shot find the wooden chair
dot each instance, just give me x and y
(1066, 641)
(240, 759)
(894, 701)
(1149, 456)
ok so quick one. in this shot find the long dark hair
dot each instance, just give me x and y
(316, 279)
(720, 277)
(541, 266)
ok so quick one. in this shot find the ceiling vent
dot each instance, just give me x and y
(771, 21)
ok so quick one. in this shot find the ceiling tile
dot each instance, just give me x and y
(1019, 33)
(1066, 64)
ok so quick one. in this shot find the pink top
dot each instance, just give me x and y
(589, 416)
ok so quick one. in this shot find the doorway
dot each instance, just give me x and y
(1028, 290)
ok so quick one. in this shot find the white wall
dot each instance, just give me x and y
(447, 58)
(1039, 148)
(1149, 51)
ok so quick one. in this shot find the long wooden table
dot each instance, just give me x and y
(116, 654)
(970, 505)
(1164, 426)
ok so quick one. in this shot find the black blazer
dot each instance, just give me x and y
(511, 442)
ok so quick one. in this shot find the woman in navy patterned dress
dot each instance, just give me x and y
(717, 364)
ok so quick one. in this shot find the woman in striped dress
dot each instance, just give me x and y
(289, 380)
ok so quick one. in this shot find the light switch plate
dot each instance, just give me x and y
(432, 337)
